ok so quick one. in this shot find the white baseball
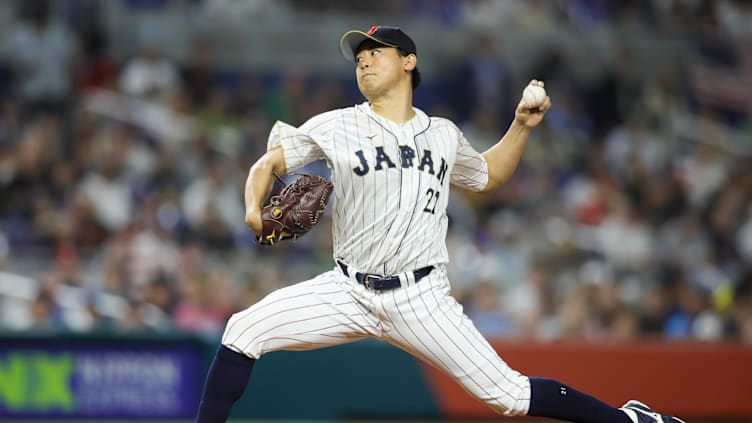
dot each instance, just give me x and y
(534, 96)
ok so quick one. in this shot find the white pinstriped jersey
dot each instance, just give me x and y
(390, 197)
(391, 182)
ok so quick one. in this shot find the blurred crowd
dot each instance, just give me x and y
(629, 217)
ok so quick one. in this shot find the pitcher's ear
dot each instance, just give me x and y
(411, 62)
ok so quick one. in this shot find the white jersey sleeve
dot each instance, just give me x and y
(306, 144)
(470, 168)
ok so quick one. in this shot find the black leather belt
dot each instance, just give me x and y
(380, 283)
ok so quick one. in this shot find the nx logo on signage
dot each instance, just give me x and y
(36, 381)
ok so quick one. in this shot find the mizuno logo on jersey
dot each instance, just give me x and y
(407, 159)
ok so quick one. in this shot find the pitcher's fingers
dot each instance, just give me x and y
(546, 105)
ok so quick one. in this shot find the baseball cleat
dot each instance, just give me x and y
(641, 413)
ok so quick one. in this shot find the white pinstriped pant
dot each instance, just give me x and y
(422, 319)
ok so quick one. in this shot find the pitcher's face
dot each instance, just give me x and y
(379, 69)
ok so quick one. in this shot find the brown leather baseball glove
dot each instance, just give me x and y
(295, 209)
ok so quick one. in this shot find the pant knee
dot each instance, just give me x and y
(240, 337)
(514, 398)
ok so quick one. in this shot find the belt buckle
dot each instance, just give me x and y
(367, 278)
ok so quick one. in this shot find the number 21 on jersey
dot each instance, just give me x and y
(432, 199)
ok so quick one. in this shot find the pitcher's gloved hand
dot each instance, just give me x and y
(295, 209)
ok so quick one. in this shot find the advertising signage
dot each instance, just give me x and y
(99, 380)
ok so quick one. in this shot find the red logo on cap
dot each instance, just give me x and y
(373, 29)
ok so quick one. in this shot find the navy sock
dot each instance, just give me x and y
(550, 398)
(225, 383)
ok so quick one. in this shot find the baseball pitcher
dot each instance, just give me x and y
(391, 170)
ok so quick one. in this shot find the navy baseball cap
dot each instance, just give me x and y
(388, 35)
